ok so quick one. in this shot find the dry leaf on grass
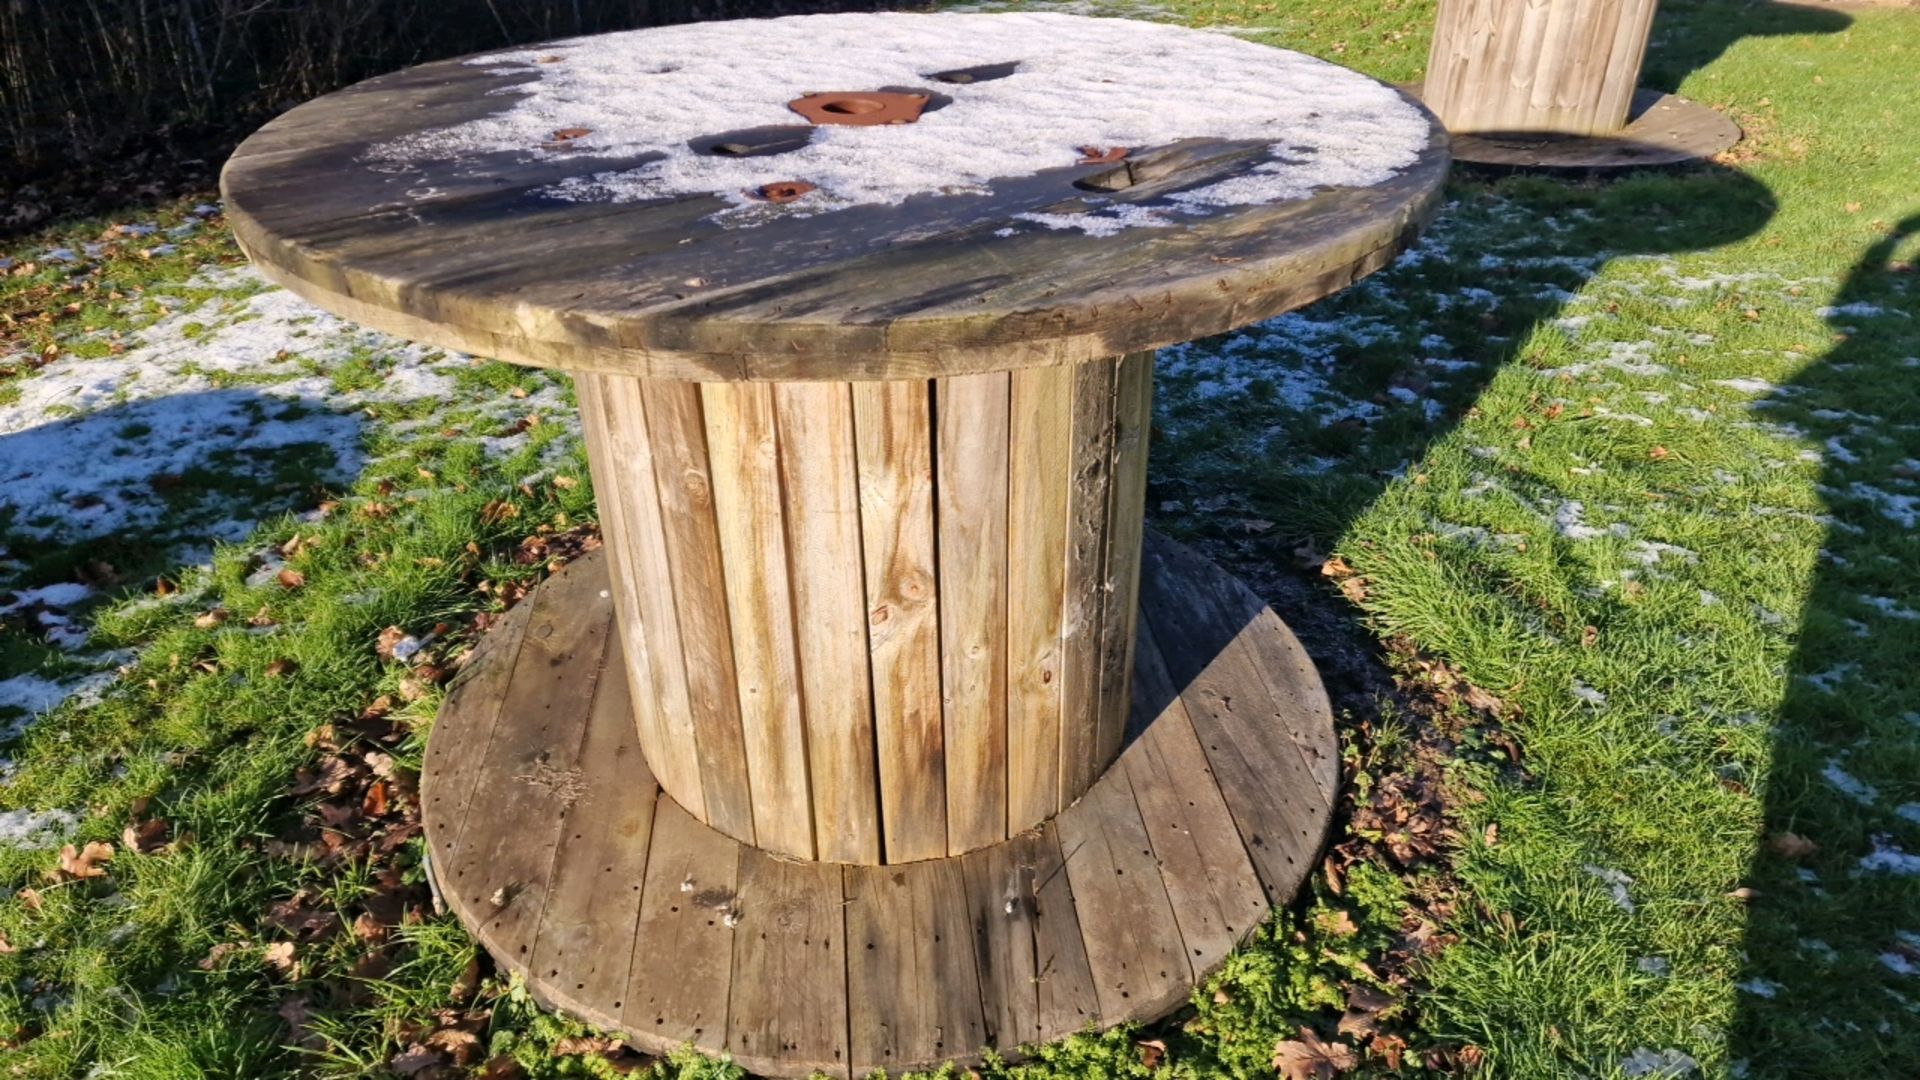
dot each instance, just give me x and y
(415, 1059)
(211, 619)
(290, 579)
(281, 668)
(280, 957)
(144, 837)
(6, 946)
(585, 1044)
(1791, 845)
(1152, 1052)
(85, 863)
(1311, 1058)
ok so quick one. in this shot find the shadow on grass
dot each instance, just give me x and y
(1845, 770)
(132, 490)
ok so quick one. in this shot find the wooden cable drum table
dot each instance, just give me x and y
(880, 733)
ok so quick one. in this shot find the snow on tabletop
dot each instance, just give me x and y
(1080, 82)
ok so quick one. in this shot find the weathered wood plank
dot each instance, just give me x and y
(585, 941)
(1278, 806)
(822, 507)
(531, 760)
(456, 749)
(744, 451)
(1001, 905)
(972, 441)
(1084, 587)
(1216, 894)
(1126, 515)
(789, 966)
(621, 454)
(1065, 998)
(685, 487)
(893, 434)
(907, 926)
(1039, 459)
(682, 966)
(1140, 968)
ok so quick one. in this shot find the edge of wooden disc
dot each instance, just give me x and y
(1663, 130)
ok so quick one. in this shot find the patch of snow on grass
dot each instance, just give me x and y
(648, 93)
(34, 828)
(1847, 784)
(1668, 1064)
(1888, 857)
(1616, 882)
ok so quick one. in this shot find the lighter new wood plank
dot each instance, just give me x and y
(972, 442)
(685, 488)
(745, 455)
(1039, 461)
(620, 451)
(821, 488)
(893, 439)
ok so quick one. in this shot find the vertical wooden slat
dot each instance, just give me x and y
(742, 446)
(620, 452)
(972, 521)
(673, 416)
(585, 940)
(893, 436)
(1090, 463)
(682, 965)
(1039, 459)
(1126, 512)
(789, 966)
(822, 509)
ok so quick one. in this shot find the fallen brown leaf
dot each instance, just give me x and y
(280, 957)
(1791, 845)
(143, 837)
(210, 619)
(281, 668)
(84, 863)
(1311, 1058)
(415, 1059)
(1152, 1052)
(291, 578)
(574, 1045)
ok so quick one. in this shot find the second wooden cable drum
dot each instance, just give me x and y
(876, 622)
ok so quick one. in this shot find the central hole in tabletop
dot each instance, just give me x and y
(853, 106)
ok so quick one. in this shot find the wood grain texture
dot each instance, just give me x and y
(744, 454)
(972, 440)
(1040, 460)
(1126, 521)
(484, 263)
(620, 453)
(1662, 129)
(893, 439)
(682, 968)
(789, 967)
(1084, 581)
(909, 926)
(735, 950)
(677, 429)
(587, 926)
(820, 484)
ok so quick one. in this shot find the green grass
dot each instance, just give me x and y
(1640, 457)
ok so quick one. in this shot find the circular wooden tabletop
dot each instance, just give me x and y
(544, 206)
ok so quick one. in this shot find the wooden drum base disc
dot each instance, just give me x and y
(554, 846)
(1662, 130)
